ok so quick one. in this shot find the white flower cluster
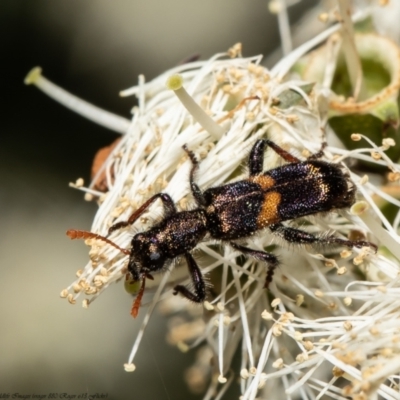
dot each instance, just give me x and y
(329, 327)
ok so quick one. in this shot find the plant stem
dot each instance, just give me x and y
(350, 51)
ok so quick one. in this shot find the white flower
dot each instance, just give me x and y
(321, 330)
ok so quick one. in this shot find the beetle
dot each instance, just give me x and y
(236, 211)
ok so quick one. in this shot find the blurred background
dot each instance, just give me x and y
(94, 49)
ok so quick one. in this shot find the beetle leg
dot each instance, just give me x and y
(319, 153)
(268, 258)
(256, 159)
(298, 236)
(199, 293)
(168, 205)
(197, 193)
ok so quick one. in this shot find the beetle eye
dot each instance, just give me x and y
(154, 253)
(155, 256)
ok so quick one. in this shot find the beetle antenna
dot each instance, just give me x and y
(138, 300)
(77, 234)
